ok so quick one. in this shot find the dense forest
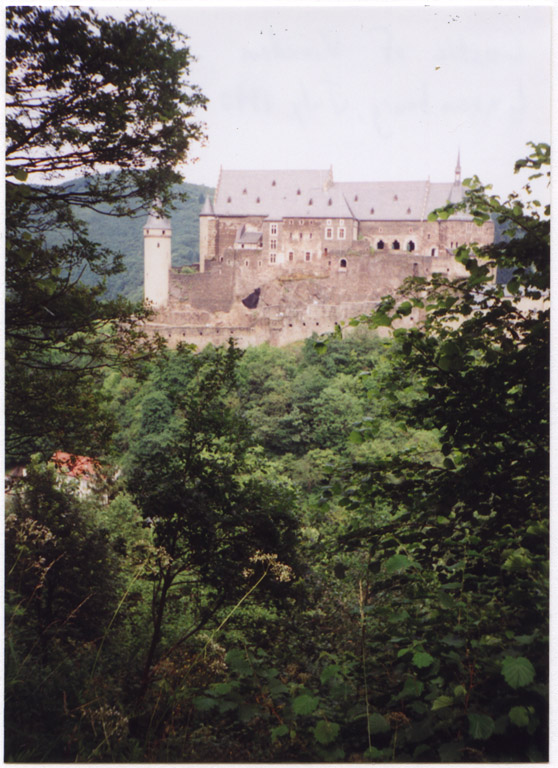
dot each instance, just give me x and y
(335, 551)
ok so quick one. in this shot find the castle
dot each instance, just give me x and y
(284, 254)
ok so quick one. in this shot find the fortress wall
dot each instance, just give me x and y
(211, 290)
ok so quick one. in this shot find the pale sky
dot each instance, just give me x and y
(378, 93)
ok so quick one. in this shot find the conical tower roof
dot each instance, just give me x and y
(156, 221)
(207, 209)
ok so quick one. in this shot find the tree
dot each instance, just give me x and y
(459, 540)
(107, 100)
(220, 522)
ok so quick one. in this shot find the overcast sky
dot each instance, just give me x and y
(378, 93)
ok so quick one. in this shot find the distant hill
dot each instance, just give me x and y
(125, 236)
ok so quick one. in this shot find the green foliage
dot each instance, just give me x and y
(459, 538)
(110, 95)
(333, 552)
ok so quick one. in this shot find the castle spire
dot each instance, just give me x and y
(458, 168)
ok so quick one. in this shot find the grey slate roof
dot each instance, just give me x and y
(207, 209)
(306, 194)
(154, 221)
(248, 238)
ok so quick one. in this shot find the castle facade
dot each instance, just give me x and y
(284, 254)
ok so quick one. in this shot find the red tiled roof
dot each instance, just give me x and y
(76, 466)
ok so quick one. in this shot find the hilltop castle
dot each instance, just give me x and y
(287, 253)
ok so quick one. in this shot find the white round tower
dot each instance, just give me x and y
(156, 260)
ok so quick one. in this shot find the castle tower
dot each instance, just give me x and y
(207, 233)
(156, 259)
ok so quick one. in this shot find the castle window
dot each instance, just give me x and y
(410, 246)
(290, 235)
(343, 264)
(221, 258)
(298, 191)
(300, 235)
(158, 245)
(372, 211)
(291, 256)
(329, 202)
(244, 191)
(329, 233)
(273, 183)
(257, 199)
(163, 231)
(433, 252)
(228, 199)
(395, 197)
(415, 269)
(408, 210)
(272, 258)
(273, 244)
(259, 263)
(428, 235)
(395, 245)
(308, 256)
(380, 245)
(310, 202)
(341, 233)
(246, 263)
(301, 221)
(310, 235)
(356, 198)
(273, 228)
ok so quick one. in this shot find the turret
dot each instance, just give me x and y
(207, 221)
(156, 259)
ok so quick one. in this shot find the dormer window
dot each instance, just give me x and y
(329, 201)
(244, 191)
(372, 210)
(356, 198)
(395, 197)
(257, 199)
(408, 210)
(228, 199)
(310, 202)
(273, 183)
(298, 191)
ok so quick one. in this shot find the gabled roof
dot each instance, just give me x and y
(277, 195)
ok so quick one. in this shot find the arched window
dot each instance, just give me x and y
(343, 264)
(380, 245)
(410, 246)
(395, 245)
